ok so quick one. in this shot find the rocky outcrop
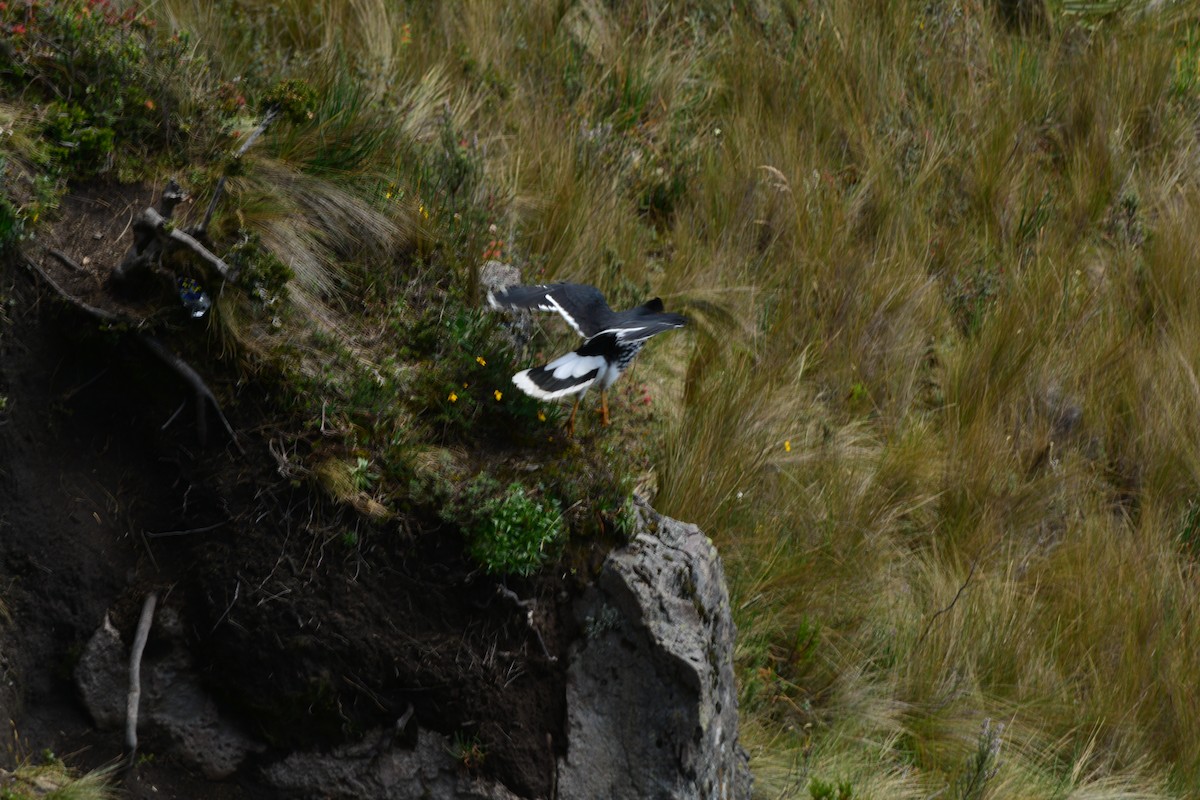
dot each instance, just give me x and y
(377, 767)
(176, 711)
(651, 699)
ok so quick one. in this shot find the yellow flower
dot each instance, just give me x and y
(787, 447)
(388, 195)
(453, 397)
(424, 212)
(541, 415)
(498, 395)
(465, 385)
(480, 360)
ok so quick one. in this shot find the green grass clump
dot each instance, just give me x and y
(52, 780)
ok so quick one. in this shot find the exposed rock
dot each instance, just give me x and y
(377, 768)
(176, 712)
(181, 711)
(102, 676)
(651, 699)
(494, 276)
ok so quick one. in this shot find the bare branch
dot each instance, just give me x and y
(135, 674)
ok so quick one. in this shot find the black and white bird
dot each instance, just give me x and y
(611, 339)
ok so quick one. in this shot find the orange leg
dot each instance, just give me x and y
(571, 421)
(603, 407)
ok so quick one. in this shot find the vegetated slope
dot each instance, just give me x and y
(320, 562)
(939, 255)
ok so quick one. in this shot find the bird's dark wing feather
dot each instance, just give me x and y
(583, 307)
(635, 327)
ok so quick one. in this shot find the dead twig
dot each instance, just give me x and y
(135, 675)
(154, 234)
(530, 606)
(204, 529)
(203, 393)
(270, 116)
(153, 237)
(171, 419)
(958, 594)
(237, 591)
(66, 260)
(98, 313)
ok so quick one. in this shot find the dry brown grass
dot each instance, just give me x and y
(938, 411)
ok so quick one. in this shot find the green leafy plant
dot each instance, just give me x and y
(468, 751)
(516, 533)
(259, 270)
(12, 225)
(293, 98)
(469, 387)
(76, 142)
(364, 475)
(103, 69)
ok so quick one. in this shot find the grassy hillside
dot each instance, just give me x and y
(937, 407)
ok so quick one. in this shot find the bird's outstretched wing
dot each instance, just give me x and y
(583, 307)
(641, 328)
(563, 376)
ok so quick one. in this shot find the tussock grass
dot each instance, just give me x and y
(54, 781)
(937, 407)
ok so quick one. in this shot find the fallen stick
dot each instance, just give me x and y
(66, 260)
(151, 239)
(135, 675)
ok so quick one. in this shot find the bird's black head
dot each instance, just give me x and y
(654, 306)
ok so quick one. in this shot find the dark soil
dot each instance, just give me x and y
(94, 231)
(311, 625)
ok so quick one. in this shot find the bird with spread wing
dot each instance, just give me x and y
(611, 339)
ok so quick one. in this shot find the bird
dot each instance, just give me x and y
(611, 339)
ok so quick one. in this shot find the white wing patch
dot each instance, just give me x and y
(573, 365)
(556, 306)
(625, 333)
(522, 381)
(637, 334)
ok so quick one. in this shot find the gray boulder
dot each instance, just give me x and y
(651, 699)
(102, 676)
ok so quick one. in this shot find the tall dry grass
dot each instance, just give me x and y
(938, 409)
